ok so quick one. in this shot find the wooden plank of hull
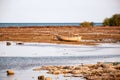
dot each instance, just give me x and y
(63, 38)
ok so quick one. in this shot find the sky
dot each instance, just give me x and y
(60, 11)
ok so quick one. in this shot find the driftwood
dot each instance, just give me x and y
(65, 38)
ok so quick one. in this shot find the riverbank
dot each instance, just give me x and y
(46, 34)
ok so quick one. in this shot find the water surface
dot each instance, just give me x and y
(23, 58)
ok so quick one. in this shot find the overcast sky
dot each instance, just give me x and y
(57, 10)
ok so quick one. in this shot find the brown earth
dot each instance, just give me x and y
(47, 34)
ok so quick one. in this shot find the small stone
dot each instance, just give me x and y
(106, 65)
(19, 43)
(77, 75)
(10, 72)
(56, 72)
(41, 77)
(65, 71)
(8, 43)
(118, 66)
(48, 78)
(76, 72)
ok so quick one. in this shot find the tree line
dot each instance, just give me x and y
(112, 21)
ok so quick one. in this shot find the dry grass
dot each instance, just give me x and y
(47, 34)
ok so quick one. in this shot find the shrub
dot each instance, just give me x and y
(113, 21)
(106, 22)
(86, 24)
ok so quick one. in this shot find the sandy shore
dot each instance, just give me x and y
(47, 34)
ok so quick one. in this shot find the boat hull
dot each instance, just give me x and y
(63, 38)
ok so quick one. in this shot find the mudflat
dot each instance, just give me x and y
(46, 34)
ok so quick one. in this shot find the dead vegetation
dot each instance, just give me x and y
(47, 34)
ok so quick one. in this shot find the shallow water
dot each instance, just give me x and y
(44, 49)
(23, 58)
(22, 63)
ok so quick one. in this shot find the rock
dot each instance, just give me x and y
(76, 72)
(109, 70)
(10, 72)
(77, 68)
(71, 67)
(99, 71)
(94, 71)
(105, 75)
(66, 67)
(8, 43)
(99, 68)
(41, 77)
(37, 69)
(48, 78)
(106, 65)
(118, 66)
(118, 75)
(77, 75)
(94, 77)
(19, 43)
(56, 72)
(66, 71)
(85, 68)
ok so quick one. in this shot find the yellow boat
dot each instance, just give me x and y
(65, 38)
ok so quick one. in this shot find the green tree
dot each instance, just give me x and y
(106, 22)
(86, 24)
(113, 21)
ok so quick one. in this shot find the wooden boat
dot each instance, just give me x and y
(64, 38)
